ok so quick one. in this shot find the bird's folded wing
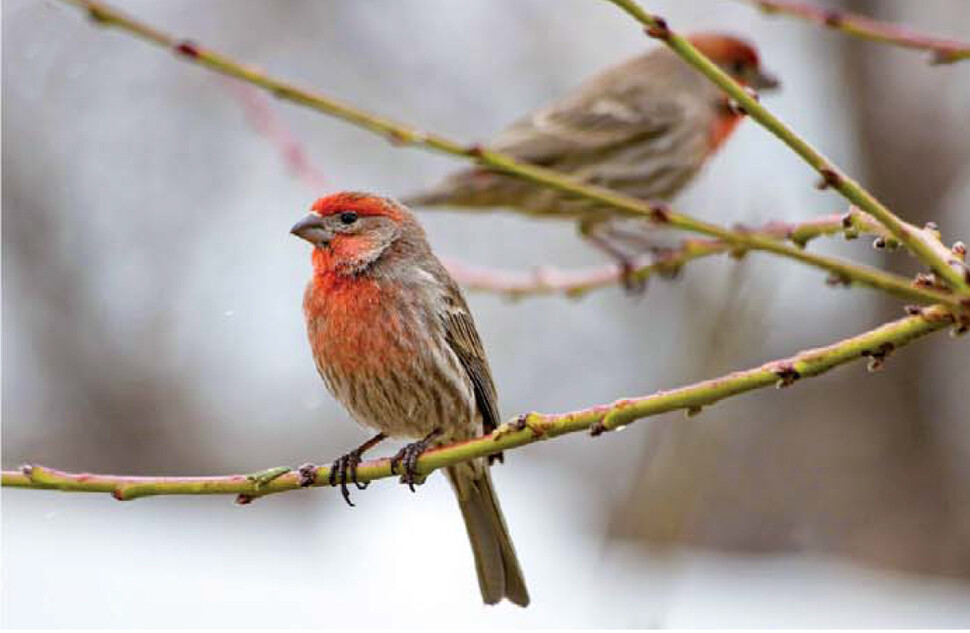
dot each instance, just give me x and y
(464, 341)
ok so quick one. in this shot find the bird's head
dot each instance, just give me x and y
(736, 57)
(352, 230)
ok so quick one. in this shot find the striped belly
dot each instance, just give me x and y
(388, 376)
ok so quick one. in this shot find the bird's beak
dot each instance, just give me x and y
(765, 81)
(312, 229)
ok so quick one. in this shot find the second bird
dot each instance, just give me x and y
(644, 127)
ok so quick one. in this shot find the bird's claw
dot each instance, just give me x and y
(344, 469)
(408, 456)
(264, 477)
(633, 284)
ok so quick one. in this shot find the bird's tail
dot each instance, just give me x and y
(499, 574)
(472, 189)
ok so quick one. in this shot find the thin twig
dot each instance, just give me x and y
(944, 51)
(260, 114)
(924, 244)
(405, 135)
(548, 280)
(874, 345)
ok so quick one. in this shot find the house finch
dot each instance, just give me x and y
(395, 343)
(644, 127)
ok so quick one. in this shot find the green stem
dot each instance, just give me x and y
(919, 241)
(575, 283)
(875, 345)
(402, 134)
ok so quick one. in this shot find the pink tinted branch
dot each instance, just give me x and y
(944, 51)
(191, 52)
(264, 119)
(548, 280)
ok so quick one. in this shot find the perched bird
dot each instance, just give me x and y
(644, 127)
(394, 341)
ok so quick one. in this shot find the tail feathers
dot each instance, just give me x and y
(499, 574)
(470, 188)
(430, 198)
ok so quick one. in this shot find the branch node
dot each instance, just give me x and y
(520, 423)
(877, 357)
(832, 18)
(576, 293)
(928, 280)
(961, 322)
(244, 499)
(787, 375)
(693, 411)
(658, 29)
(736, 108)
(836, 279)
(397, 137)
(308, 475)
(941, 57)
(801, 241)
(118, 494)
(597, 428)
(27, 470)
(188, 48)
(830, 178)
(99, 15)
(849, 229)
(913, 310)
(959, 250)
(665, 260)
(660, 212)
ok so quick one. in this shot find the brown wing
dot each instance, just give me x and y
(620, 106)
(624, 106)
(463, 338)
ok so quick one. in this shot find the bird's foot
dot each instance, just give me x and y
(344, 468)
(635, 285)
(264, 477)
(408, 456)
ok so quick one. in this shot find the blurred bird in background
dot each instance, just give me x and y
(644, 127)
(394, 341)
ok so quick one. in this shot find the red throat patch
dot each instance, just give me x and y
(723, 128)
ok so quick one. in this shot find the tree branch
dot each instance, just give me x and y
(920, 241)
(547, 280)
(876, 345)
(404, 135)
(944, 51)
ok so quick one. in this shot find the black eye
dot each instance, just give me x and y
(738, 68)
(348, 217)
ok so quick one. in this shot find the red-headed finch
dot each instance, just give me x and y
(644, 127)
(394, 341)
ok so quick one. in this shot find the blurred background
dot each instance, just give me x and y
(151, 324)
